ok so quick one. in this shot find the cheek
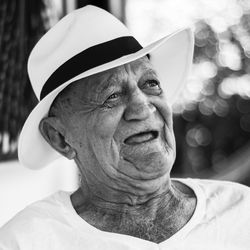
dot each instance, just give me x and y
(106, 123)
(100, 137)
(163, 108)
(165, 113)
(76, 129)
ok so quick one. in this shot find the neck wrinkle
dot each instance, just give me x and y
(165, 200)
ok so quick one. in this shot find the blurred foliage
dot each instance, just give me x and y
(215, 125)
(22, 23)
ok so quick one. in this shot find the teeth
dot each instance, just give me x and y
(140, 138)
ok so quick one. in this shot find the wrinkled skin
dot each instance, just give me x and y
(99, 121)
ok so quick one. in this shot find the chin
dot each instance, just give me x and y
(150, 165)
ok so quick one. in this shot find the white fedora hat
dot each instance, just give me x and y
(87, 41)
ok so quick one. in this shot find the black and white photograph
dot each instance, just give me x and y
(125, 125)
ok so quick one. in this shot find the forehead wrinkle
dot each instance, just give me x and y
(79, 92)
(96, 84)
(103, 85)
(148, 68)
(141, 65)
(151, 70)
(114, 79)
(87, 87)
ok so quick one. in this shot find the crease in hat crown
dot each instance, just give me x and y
(65, 40)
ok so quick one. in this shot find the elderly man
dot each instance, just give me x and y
(105, 102)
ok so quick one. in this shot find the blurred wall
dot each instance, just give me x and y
(20, 186)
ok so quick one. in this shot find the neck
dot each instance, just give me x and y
(163, 198)
(108, 186)
(156, 219)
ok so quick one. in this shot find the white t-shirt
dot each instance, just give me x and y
(221, 221)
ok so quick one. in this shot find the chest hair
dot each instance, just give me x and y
(158, 229)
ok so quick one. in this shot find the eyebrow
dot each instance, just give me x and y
(111, 80)
(106, 84)
(150, 70)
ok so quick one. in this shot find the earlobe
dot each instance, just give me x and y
(53, 132)
(70, 153)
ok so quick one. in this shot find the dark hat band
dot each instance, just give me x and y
(90, 58)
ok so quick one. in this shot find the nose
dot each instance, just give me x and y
(138, 107)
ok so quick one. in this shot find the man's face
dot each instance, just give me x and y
(120, 125)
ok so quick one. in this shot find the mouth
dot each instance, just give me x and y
(141, 137)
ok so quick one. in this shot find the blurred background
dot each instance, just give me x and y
(211, 117)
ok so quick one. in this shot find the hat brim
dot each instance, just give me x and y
(170, 56)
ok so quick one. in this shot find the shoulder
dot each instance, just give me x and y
(32, 221)
(229, 190)
(222, 191)
(222, 198)
(212, 187)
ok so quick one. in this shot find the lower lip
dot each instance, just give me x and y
(141, 139)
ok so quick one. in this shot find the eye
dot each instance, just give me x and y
(113, 96)
(113, 100)
(152, 84)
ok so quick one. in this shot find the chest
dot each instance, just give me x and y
(157, 230)
(164, 223)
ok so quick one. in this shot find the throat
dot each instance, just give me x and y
(155, 221)
(156, 229)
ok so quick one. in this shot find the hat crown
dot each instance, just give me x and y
(76, 32)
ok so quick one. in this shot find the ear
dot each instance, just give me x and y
(52, 130)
